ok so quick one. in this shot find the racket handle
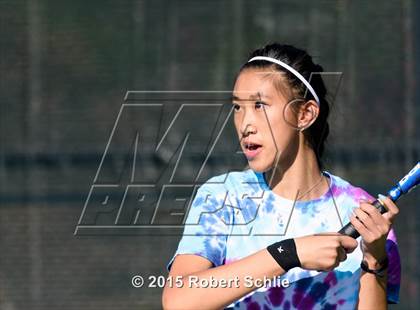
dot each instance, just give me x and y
(349, 229)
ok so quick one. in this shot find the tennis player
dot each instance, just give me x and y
(263, 238)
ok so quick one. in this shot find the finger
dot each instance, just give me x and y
(332, 233)
(342, 256)
(382, 223)
(374, 213)
(367, 221)
(347, 243)
(389, 217)
(390, 205)
(333, 266)
(361, 229)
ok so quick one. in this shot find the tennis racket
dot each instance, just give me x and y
(405, 185)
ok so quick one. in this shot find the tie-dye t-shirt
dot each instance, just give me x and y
(236, 214)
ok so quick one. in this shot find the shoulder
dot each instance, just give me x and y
(343, 188)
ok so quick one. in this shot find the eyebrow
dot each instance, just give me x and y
(251, 97)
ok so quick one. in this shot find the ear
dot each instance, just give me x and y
(308, 113)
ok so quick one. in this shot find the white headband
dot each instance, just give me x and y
(286, 66)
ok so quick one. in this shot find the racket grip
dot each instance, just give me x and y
(349, 229)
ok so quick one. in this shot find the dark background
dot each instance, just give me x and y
(65, 69)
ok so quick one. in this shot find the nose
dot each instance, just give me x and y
(249, 129)
(248, 124)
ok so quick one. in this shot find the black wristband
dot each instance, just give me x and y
(285, 254)
(378, 272)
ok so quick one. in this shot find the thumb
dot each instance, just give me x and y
(348, 243)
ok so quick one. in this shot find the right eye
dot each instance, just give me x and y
(236, 107)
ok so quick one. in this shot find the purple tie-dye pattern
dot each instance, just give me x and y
(394, 269)
(359, 194)
(306, 303)
(300, 289)
(329, 307)
(276, 295)
(391, 236)
(245, 200)
(337, 191)
(253, 306)
(331, 279)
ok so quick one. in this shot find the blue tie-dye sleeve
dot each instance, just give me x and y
(206, 226)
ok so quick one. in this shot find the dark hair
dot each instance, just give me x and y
(302, 62)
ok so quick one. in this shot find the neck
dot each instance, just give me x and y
(301, 179)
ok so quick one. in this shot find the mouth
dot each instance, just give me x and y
(251, 150)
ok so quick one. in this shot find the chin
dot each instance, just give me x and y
(260, 166)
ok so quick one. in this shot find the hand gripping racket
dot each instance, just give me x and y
(405, 185)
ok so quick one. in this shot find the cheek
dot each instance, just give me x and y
(290, 116)
(237, 124)
(279, 133)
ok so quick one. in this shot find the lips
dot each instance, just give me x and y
(251, 149)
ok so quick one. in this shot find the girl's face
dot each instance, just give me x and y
(267, 140)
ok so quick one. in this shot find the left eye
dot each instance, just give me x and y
(259, 104)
